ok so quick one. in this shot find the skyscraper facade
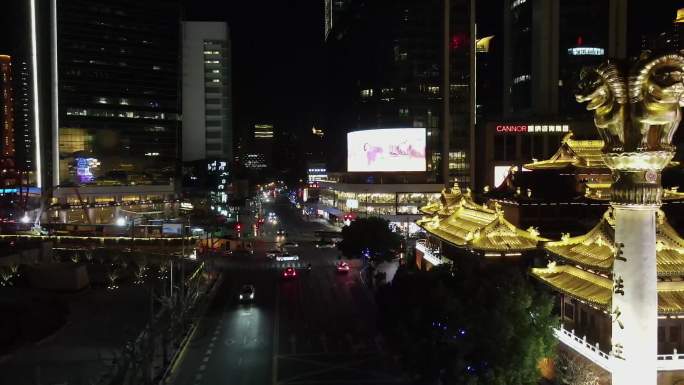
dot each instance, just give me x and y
(207, 96)
(386, 61)
(116, 93)
(6, 108)
(546, 44)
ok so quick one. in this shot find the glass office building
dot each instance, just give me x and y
(116, 93)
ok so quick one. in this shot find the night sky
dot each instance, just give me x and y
(278, 57)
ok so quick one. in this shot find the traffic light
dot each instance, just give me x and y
(238, 227)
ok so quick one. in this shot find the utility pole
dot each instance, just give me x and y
(446, 93)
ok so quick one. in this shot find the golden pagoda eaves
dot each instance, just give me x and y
(594, 250)
(597, 290)
(573, 152)
(477, 227)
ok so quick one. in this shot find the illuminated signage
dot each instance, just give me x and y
(172, 228)
(531, 128)
(352, 203)
(395, 149)
(511, 128)
(84, 169)
(586, 51)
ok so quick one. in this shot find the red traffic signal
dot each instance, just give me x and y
(238, 226)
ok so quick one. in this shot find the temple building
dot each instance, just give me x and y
(456, 224)
(581, 191)
(579, 269)
(581, 272)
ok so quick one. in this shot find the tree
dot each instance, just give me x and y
(574, 370)
(467, 325)
(369, 237)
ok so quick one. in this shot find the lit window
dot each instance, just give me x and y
(367, 93)
(521, 78)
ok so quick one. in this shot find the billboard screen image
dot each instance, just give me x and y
(393, 149)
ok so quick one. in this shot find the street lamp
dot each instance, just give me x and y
(121, 221)
(25, 218)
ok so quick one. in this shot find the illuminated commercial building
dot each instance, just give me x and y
(207, 96)
(7, 107)
(254, 161)
(508, 144)
(386, 65)
(263, 131)
(106, 89)
(316, 172)
(546, 44)
(392, 197)
(260, 155)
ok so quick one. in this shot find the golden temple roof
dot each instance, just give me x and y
(597, 290)
(594, 250)
(448, 199)
(573, 152)
(466, 223)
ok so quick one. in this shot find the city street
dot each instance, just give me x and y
(316, 328)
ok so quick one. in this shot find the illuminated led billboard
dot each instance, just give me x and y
(394, 149)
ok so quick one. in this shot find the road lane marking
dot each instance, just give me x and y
(240, 361)
(208, 352)
(205, 359)
(202, 367)
(198, 377)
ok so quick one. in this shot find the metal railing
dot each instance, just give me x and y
(430, 254)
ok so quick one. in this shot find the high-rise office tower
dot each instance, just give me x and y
(546, 44)
(207, 100)
(25, 153)
(104, 97)
(386, 61)
(6, 108)
(262, 144)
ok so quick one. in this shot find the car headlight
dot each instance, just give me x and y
(240, 296)
(251, 296)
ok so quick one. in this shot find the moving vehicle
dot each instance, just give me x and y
(342, 267)
(290, 244)
(246, 293)
(287, 257)
(325, 244)
(281, 233)
(271, 254)
(289, 273)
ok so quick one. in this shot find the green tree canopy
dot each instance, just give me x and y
(468, 326)
(369, 236)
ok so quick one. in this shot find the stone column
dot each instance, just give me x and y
(635, 198)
